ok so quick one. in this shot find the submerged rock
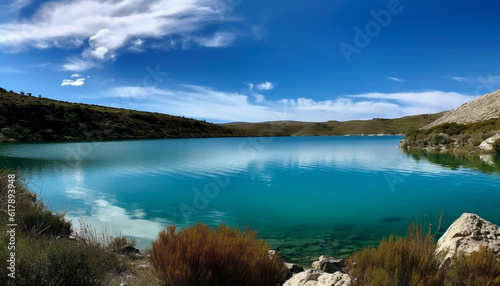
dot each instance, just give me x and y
(314, 277)
(467, 234)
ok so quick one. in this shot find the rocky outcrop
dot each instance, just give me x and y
(314, 277)
(487, 145)
(467, 234)
(326, 271)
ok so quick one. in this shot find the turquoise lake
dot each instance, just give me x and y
(307, 196)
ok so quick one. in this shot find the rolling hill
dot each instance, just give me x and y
(28, 118)
(374, 126)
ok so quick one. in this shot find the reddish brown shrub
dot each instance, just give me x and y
(205, 256)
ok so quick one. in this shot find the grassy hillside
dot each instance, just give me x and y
(28, 118)
(452, 137)
(355, 127)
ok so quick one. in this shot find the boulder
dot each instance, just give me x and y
(314, 277)
(487, 145)
(328, 264)
(466, 234)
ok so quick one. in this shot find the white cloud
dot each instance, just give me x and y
(137, 46)
(102, 28)
(265, 86)
(426, 100)
(76, 64)
(220, 39)
(395, 79)
(218, 106)
(74, 82)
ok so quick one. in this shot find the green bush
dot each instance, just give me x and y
(203, 256)
(35, 221)
(43, 261)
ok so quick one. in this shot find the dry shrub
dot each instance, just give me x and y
(205, 256)
(478, 268)
(397, 261)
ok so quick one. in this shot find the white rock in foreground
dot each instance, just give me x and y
(467, 233)
(487, 145)
(313, 277)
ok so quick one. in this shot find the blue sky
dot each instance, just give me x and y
(243, 60)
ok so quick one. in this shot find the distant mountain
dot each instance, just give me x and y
(480, 109)
(29, 118)
(374, 126)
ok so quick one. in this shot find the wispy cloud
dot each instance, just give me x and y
(208, 103)
(102, 28)
(17, 5)
(395, 79)
(78, 80)
(477, 79)
(220, 39)
(265, 86)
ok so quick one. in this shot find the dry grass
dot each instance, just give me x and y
(105, 237)
(397, 261)
(412, 261)
(478, 268)
(204, 256)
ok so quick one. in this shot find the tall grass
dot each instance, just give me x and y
(412, 261)
(409, 261)
(478, 268)
(203, 256)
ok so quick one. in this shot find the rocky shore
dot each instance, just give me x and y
(465, 235)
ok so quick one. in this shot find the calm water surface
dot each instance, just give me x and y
(306, 196)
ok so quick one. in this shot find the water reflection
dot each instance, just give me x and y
(485, 163)
(293, 190)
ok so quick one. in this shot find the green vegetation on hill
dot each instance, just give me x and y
(28, 118)
(452, 137)
(354, 127)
